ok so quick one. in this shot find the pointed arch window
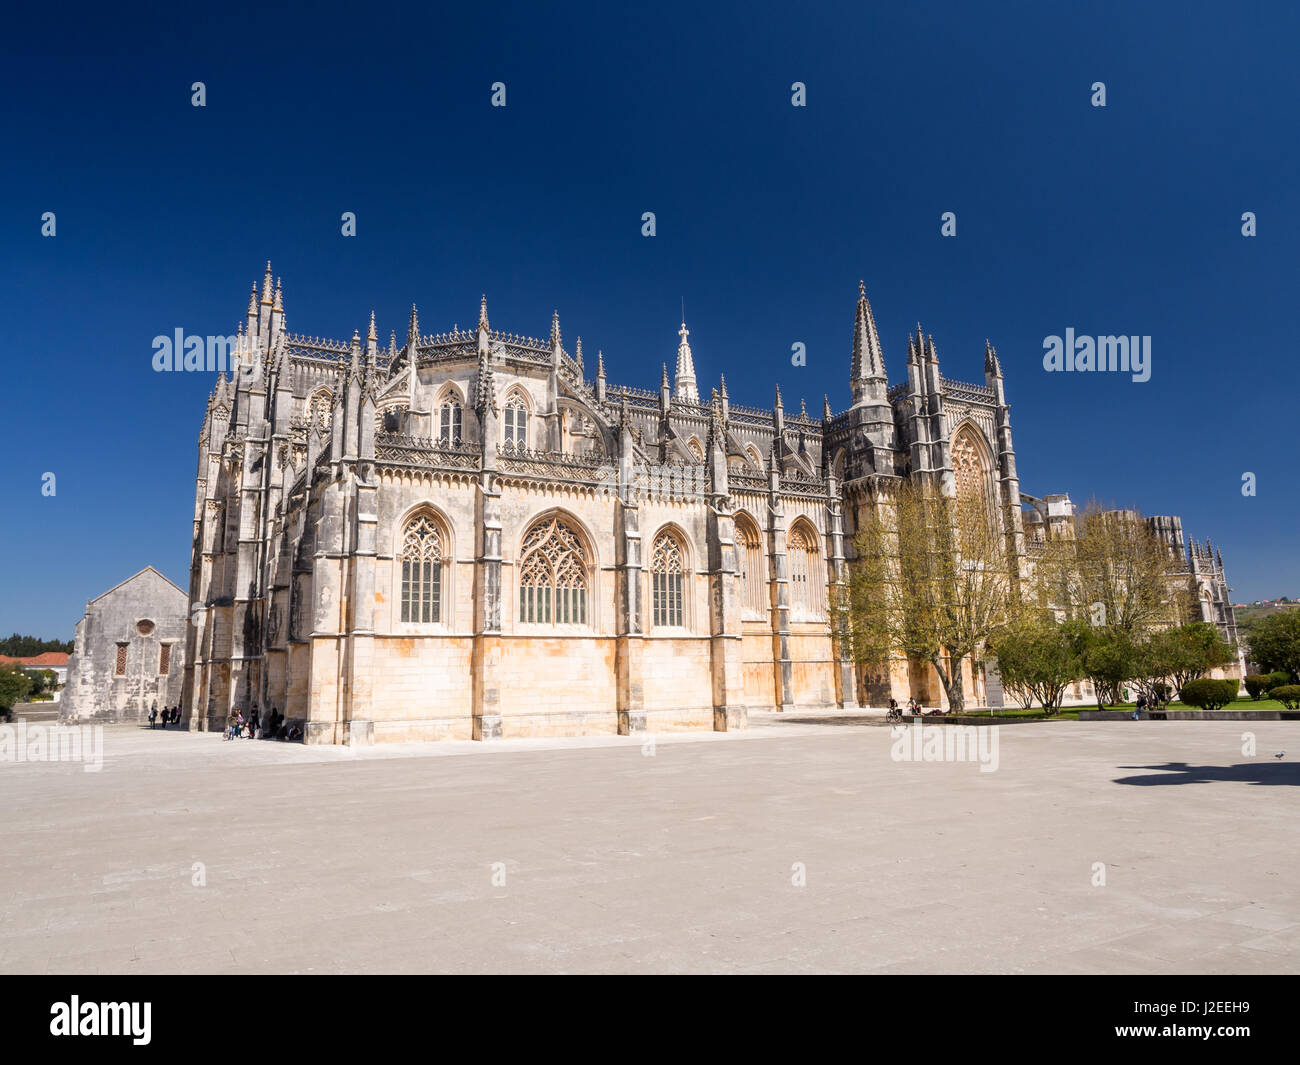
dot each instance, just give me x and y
(553, 576)
(422, 562)
(970, 470)
(515, 418)
(807, 586)
(666, 575)
(449, 421)
(749, 551)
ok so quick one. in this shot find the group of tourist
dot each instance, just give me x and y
(171, 715)
(251, 727)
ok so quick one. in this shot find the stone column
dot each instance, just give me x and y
(629, 610)
(726, 647)
(488, 645)
(782, 660)
(841, 644)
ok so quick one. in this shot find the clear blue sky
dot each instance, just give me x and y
(1117, 220)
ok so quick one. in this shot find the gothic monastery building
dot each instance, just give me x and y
(473, 535)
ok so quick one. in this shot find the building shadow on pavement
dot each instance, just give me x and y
(1262, 772)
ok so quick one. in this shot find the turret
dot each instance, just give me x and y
(867, 378)
(264, 311)
(685, 383)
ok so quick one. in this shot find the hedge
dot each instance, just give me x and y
(1209, 694)
(1288, 695)
(1258, 683)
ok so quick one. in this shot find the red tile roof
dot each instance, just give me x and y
(46, 660)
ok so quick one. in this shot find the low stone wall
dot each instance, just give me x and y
(44, 711)
(1191, 715)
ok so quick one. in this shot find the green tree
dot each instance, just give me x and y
(19, 646)
(1038, 655)
(14, 686)
(1108, 656)
(1275, 643)
(933, 578)
(1164, 661)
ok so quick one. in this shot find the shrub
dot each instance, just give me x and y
(1209, 694)
(1288, 695)
(1258, 683)
(1278, 679)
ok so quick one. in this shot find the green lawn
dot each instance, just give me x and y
(1245, 703)
(1069, 713)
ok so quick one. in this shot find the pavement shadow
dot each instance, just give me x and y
(1268, 772)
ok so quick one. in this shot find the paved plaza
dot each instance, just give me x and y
(799, 845)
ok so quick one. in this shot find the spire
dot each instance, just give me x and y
(577, 355)
(868, 357)
(482, 312)
(779, 405)
(930, 354)
(266, 284)
(600, 364)
(413, 329)
(278, 302)
(686, 389)
(723, 377)
(991, 364)
(392, 348)
(826, 409)
(555, 329)
(803, 408)
(663, 381)
(371, 336)
(252, 302)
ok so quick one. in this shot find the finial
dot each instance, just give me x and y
(252, 300)
(778, 395)
(663, 381)
(371, 335)
(482, 312)
(862, 290)
(724, 385)
(803, 408)
(600, 363)
(577, 354)
(555, 328)
(826, 409)
(413, 330)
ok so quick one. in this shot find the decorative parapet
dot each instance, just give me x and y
(969, 393)
(755, 482)
(551, 465)
(424, 452)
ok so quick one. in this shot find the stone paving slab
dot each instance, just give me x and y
(323, 859)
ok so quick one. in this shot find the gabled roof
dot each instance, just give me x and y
(147, 569)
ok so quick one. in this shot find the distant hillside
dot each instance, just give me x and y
(1248, 614)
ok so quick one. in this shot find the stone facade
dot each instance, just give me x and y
(129, 652)
(469, 536)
